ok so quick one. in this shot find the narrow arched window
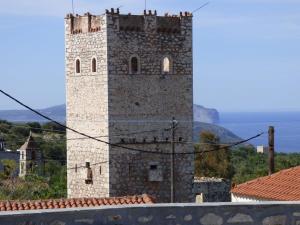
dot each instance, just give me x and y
(77, 66)
(134, 65)
(33, 156)
(94, 65)
(166, 64)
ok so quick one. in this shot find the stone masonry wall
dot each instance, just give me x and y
(133, 110)
(212, 190)
(272, 213)
(147, 101)
(87, 109)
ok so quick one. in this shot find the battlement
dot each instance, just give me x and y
(148, 21)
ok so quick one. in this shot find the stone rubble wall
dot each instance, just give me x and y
(87, 104)
(147, 101)
(213, 190)
(271, 213)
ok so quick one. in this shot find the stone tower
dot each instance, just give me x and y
(126, 77)
(30, 157)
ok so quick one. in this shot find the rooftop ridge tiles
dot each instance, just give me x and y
(16, 205)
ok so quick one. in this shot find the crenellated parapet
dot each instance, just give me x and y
(148, 22)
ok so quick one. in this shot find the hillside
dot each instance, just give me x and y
(225, 135)
(56, 112)
(206, 115)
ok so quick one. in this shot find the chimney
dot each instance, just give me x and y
(271, 150)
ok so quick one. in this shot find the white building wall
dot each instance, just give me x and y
(245, 198)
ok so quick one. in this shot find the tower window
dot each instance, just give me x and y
(94, 65)
(78, 69)
(33, 156)
(155, 172)
(134, 65)
(166, 65)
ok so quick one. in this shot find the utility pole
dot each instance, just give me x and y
(174, 124)
(271, 150)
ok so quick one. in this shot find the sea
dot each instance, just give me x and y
(245, 125)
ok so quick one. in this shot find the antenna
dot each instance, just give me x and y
(73, 7)
(205, 4)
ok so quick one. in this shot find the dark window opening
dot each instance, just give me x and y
(76, 168)
(94, 65)
(134, 65)
(100, 170)
(89, 177)
(153, 167)
(180, 139)
(33, 156)
(77, 66)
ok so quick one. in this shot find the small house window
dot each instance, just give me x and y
(94, 65)
(78, 69)
(134, 65)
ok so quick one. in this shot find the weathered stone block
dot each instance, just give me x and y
(211, 219)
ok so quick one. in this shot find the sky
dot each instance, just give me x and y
(246, 52)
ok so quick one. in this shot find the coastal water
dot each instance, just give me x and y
(245, 125)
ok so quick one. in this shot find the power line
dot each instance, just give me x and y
(202, 6)
(117, 145)
(71, 129)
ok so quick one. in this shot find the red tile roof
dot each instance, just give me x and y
(281, 186)
(73, 203)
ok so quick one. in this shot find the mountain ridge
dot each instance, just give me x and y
(204, 119)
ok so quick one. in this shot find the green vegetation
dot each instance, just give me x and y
(47, 182)
(212, 162)
(240, 164)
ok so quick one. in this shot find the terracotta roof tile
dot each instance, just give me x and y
(73, 203)
(281, 186)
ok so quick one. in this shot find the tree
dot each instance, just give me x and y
(9, 168)
(35, 127)
(53, 127)
(215, 159)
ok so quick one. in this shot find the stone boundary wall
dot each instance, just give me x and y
(212, 190)
(268, 213)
